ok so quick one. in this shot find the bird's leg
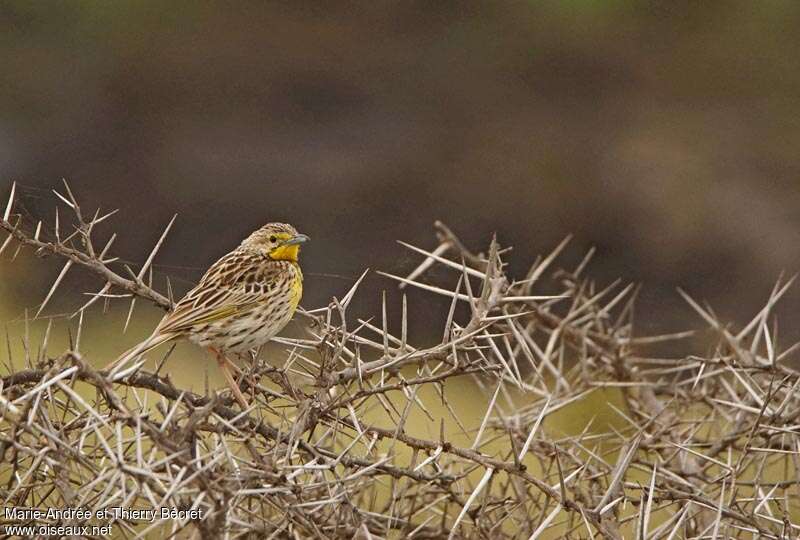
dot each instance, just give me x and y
(244, 375)
(241, 372)
(223, 366)
(233, 366)
(249, 375)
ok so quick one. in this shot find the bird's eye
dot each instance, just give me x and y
(273, 238)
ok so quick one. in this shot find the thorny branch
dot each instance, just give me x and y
(339, 444)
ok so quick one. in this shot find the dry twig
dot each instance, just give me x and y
(704, 446)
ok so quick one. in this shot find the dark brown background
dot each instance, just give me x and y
(664, 133)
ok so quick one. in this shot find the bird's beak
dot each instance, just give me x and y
(297, 239)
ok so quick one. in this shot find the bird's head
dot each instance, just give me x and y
(278, 241)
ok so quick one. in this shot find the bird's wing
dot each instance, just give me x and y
(233, 284)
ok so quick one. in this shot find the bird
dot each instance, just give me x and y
(242, 301)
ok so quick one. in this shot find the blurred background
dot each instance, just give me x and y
(666, 134)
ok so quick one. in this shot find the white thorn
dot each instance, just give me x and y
(10, 202)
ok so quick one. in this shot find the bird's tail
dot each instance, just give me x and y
(150, 343)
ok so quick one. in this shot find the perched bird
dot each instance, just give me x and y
(242, 301)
